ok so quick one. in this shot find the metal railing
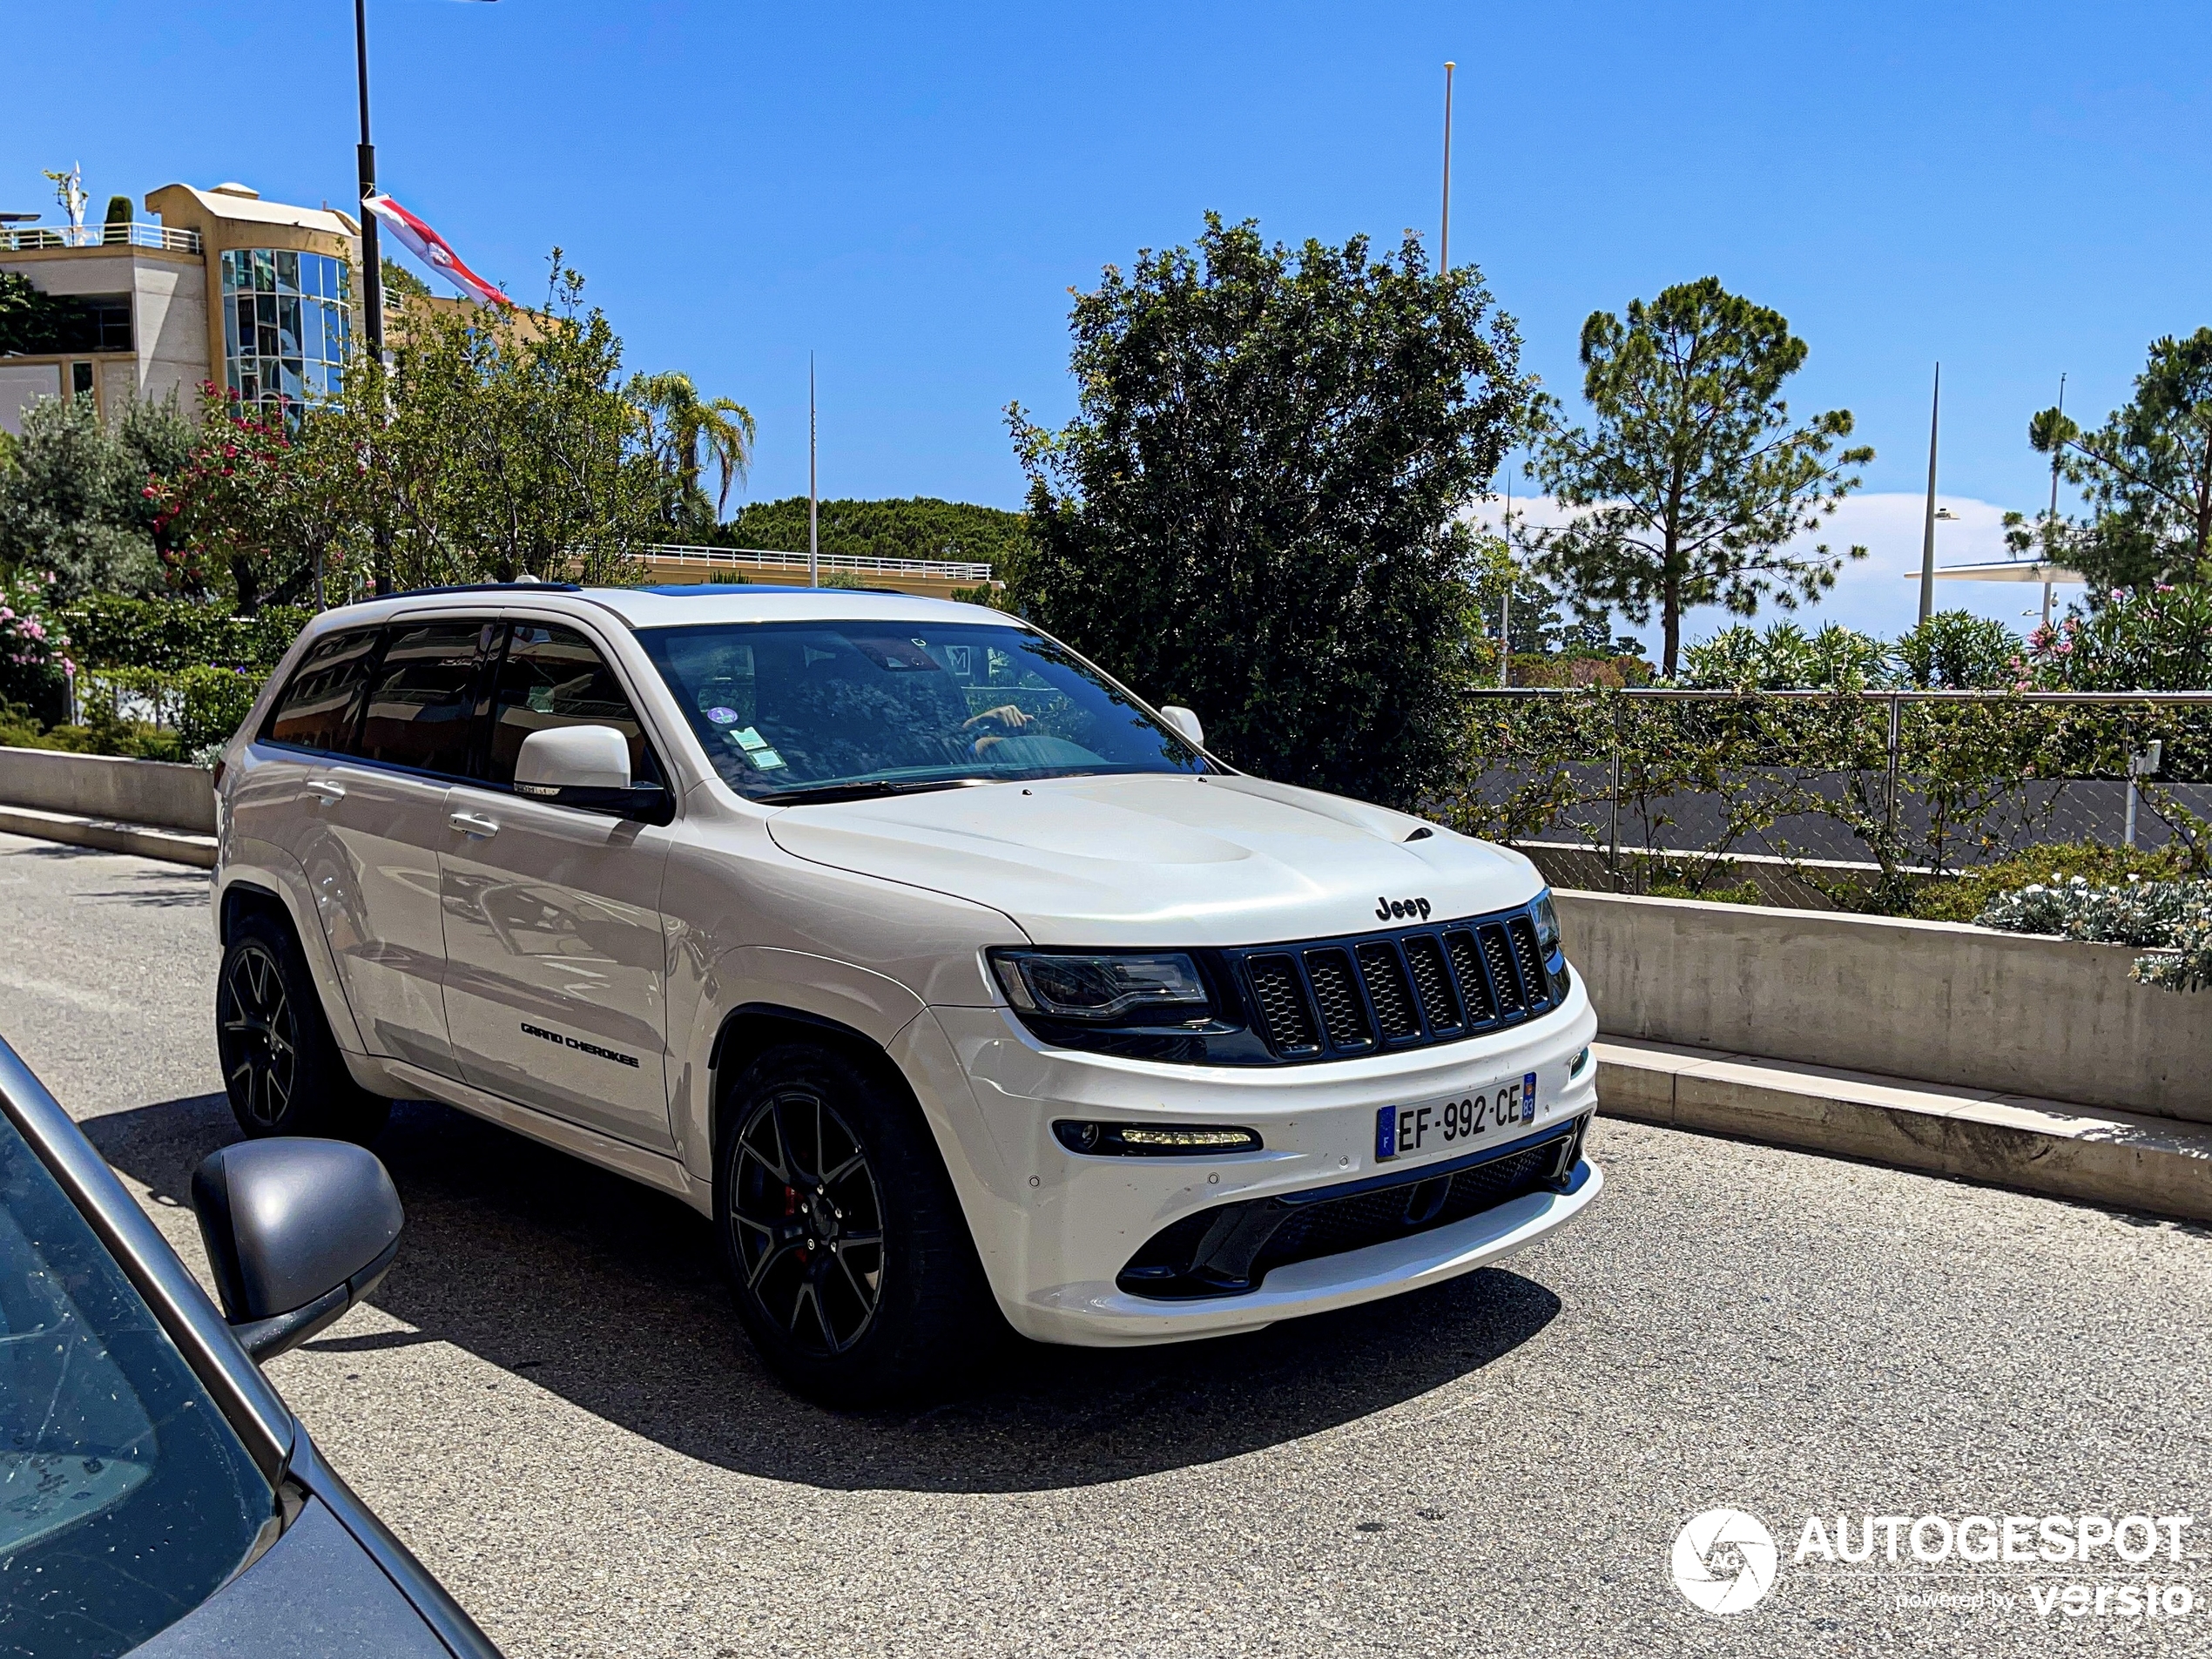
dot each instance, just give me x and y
(969, 570)
(169, 238)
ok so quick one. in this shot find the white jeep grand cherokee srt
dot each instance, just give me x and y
(958, 985)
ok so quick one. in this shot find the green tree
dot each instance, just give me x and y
(73, 495)
(498, 445)
(1693, 482)
(1255, 510)
(918, 528)
(2148, 474)
(400, 283)
(686, 433)
(35, 322)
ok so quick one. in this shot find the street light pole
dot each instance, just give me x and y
(1927, 532)
(813, 542)
(1444, 240)
(372, 264)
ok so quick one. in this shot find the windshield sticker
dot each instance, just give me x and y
(748, 738)
(766, 759)
(722, 716)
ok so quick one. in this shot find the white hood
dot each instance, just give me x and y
(1162, 859)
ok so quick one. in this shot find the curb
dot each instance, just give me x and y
(2096, 1154)
(145, 840)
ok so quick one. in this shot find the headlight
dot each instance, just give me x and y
(1105, 986)
(1547, 926)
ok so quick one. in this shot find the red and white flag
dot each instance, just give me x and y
(433, 250)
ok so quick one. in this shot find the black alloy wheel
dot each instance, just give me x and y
(855, 1275)
(257, 1035)
(281, 1065)
(808, 1220)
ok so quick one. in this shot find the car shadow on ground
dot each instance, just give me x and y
(609, 1295)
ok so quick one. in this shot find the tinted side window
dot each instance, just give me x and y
(554, 677)
(323, 698)
(419, 710)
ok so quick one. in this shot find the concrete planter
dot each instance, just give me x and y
(157, 792)
(1934, 1002)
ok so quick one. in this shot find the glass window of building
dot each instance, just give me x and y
(287, 319)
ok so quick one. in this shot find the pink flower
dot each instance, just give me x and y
(2119, 594)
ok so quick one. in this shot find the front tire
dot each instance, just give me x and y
(854, 1273)
(281, 1066)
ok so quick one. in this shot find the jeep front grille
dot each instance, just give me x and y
(1333, 998)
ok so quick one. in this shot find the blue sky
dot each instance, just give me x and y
(2015, 190)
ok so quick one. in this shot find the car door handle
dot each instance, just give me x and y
(326, 790)
(474, 824)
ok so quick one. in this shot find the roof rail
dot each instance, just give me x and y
(470, 587)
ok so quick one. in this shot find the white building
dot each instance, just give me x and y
(255, 294)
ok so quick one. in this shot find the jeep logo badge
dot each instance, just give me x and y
(1386, 908)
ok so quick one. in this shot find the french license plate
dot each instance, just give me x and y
(1454, 1123)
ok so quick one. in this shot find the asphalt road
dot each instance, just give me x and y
(550, 1400)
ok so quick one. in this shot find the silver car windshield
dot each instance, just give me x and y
(807, 709)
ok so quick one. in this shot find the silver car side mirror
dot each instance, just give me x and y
(1185, 723)
(297, 1231)
(586, 766)
(572, 757)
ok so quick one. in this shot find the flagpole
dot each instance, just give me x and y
(813, 545)
(1444, 240)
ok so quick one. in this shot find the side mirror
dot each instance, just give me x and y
(1185, 723)
(586, 766)
(297, 1231)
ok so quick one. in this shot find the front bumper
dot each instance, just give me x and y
(1067, 1225)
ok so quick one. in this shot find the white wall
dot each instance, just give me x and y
(169, 324)
(23, 384)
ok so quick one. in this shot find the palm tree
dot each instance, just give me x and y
(686, 432)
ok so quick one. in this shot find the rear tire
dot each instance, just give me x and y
(854, 1273)
(281, 1066)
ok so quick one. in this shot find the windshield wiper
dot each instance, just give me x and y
(867, 789)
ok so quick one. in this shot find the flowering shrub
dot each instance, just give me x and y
(34, 653)
(2151, 639)
(2169, 921)
(226, 507)
(1952, 651)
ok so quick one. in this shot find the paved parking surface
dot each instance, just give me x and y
(549, 1398)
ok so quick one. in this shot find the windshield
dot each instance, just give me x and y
(125, 1499)
(797, 709)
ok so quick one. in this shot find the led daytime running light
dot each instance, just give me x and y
(1155, 1140)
